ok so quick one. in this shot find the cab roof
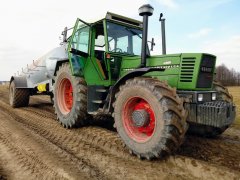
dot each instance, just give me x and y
(119, 18)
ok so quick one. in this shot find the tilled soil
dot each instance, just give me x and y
(33, 145)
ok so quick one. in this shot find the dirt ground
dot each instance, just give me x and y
(33, 145)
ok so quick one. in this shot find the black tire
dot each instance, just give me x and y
(51, 98)
(18, 97)
(223, 93)
(74, 115)
(170, 117)
(210, 131)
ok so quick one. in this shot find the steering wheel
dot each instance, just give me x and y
(116, 50)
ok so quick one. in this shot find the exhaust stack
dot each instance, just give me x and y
(145, 11)
(163, 34)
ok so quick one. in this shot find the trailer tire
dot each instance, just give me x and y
(162, 132)
(70, 98)
(18, 97)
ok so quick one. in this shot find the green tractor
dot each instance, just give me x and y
(153, 99)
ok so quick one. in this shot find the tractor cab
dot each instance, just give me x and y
(102, 46)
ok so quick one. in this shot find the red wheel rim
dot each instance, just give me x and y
(139, 134)
(65, 96)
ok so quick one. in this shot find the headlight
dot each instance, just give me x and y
(200, 97)
(214, 96)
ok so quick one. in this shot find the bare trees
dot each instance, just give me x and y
(228, 77)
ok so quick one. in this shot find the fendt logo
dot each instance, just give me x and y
(206, 69)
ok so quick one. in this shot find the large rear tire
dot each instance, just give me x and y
(18, 97)
(210, 131)
(70, 98)
(149, 117)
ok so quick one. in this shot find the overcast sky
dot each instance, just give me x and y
(29, 28)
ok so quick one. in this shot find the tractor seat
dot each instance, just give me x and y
(99, 55)
(101, 68)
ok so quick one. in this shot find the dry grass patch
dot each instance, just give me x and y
(235, 91)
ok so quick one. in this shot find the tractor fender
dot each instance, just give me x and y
(134, 73)
(20, 81)
(58, 64)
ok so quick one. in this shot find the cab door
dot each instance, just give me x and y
(78, 47)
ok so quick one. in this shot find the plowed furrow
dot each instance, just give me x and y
(100, 137)
(42, 148)
(69, 165)
(27, 164)
(217, 151)
(88, 152)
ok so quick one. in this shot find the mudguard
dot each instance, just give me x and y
(20, 81)
(135, 73)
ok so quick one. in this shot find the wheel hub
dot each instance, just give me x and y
(140, 118)
(65, 96)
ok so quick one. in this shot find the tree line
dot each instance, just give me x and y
(228, 77)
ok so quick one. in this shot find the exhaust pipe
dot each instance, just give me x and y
(163, 34)
(145, 11)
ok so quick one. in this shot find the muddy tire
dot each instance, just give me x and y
(162, 125)
(18, 97)
(70, 98)
(51, 98)
(209, 131)
(223, 93)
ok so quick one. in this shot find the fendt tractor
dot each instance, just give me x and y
(105, 68)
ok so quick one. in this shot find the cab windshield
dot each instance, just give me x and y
(123, 39)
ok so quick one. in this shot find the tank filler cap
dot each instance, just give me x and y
(145, 9)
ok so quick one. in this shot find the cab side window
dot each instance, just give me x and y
(81, 39)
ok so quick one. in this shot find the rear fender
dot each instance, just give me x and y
(59, 63)
(20, 81)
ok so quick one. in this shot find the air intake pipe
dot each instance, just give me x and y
(145, 11)
(163, 34)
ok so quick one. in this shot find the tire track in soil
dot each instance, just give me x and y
(155, 169)
(2, 172)
(51, 159)
(172, 167)
(76, 146)
(212, 151)
(222, 150)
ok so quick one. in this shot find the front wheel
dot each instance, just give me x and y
(70, 97)
(149, 117)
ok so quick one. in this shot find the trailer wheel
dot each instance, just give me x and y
(149, 117)
(18, 97)
(210, 131)
(70, 97)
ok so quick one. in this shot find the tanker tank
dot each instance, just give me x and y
(39, 76)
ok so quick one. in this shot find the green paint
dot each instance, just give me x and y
(181, 70)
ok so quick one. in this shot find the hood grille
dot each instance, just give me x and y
(187, 69)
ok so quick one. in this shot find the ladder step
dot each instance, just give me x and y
(97, 101)
(101, 90)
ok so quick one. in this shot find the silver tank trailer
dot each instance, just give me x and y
(42, 70)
